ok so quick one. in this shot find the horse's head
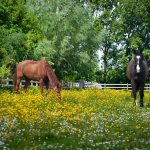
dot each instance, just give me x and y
(138, 61)
(57, 90)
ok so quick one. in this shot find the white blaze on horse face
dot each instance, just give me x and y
(138, 64)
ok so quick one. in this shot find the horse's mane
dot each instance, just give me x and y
(51, 75)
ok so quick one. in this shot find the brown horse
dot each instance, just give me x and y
(137, 72)
(38, 71)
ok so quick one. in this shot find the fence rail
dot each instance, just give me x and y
(81, 84)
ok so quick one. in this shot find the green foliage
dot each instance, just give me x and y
(4, 71)
(128, 26)
(70, 38)
(18, 31)
(69, 33)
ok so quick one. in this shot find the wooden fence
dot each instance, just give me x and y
(81, 84)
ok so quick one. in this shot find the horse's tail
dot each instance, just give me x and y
(15, 77)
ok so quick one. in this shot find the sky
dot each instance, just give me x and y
(100, 53)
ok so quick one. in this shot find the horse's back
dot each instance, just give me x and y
(31, 69)
(22, 64)
(30, 63)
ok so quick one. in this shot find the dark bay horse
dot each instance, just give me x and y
(38, 71)
(137, 71)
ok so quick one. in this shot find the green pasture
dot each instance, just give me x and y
(88, 119)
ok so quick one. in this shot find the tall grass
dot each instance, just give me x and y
(84, 119)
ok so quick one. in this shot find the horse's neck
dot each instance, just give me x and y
(52, 77)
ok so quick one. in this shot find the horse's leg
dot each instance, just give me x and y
(133, 84)
(47, 87)
(46, 82)
(15, 81)
(141, 96)
(17, 84)
(41, 86)
(134, 95)
(26, 84)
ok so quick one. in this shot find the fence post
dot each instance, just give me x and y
(81, 84)
(36, 83)
(127, 86)
(31, 83)
(7, 81)
(104, 85)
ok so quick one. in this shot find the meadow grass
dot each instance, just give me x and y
(83, 119)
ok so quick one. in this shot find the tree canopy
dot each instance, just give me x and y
(69, 35)
(128, 28)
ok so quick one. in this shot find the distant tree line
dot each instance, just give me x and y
(69, 34)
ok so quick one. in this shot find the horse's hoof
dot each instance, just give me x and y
(135, 103)
(141, 105)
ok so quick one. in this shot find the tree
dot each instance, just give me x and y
(19, 31)
(72, 41)
(127, 24)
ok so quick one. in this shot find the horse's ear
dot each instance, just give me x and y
(141, 52)
(137, 52)
(134, 52)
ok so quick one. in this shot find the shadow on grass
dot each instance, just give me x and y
(44, 141)
(6, 89)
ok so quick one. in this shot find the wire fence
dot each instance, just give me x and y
(81, 84)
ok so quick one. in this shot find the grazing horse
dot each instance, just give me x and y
(38, 71)
(137, 71)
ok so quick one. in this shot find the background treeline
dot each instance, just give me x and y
(69, 34)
